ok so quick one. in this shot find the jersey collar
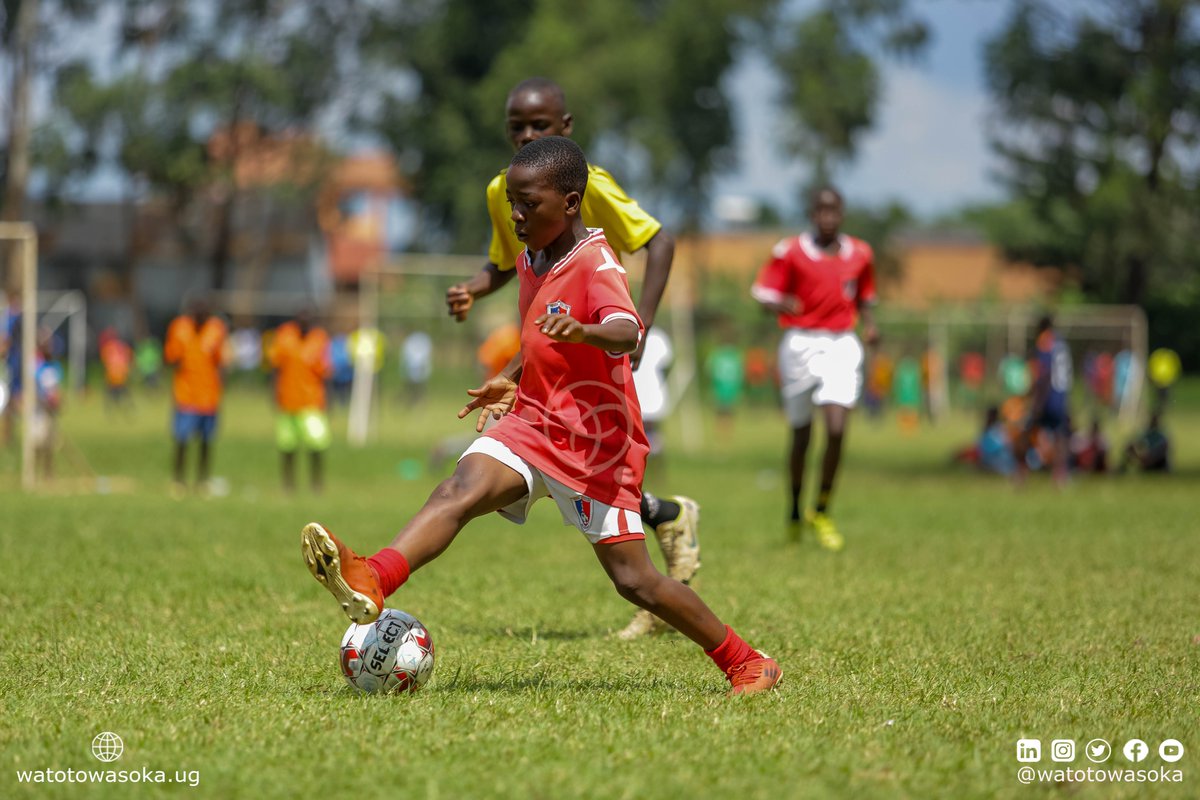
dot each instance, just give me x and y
(593, 234)
(810, 248)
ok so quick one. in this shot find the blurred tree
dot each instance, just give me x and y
(184, 76)
(828, 61)
(1097, 119)
(643, 79)
(24, 36)
(879, 226)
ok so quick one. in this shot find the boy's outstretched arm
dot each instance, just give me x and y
(496, 396)
(615, 336)
(461, 296)
(660, 253)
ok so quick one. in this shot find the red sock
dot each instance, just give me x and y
(390, 568)
(731, 652)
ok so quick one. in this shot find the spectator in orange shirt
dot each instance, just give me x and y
(117, 358)
(498, 349)
(194, 347)
(300, 356)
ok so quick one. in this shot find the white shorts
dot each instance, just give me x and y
(599, 522)
(818, 368)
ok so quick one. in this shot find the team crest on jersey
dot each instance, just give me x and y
(558, 307)
(583, 507)
(850, 288)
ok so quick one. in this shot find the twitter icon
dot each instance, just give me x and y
(1098, 751)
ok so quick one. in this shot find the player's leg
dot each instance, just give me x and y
(796, 385)
(480, 485)
(317, 438)
(316, 470)
(203, 463)
(287, 464)
(676, 525)
(826, 532)
(633, 575)
(836, 418)
(182, 426)
(207, 428)
(839, 372)
(287, 441)
(1062, 453)
(796, 459)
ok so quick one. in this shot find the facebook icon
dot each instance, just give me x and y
(1135, 750)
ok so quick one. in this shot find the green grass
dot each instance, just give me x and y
(962, 616)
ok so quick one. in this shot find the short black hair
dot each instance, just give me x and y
(816, 193)
(1045, 323)
(559, 160)
(544, 85)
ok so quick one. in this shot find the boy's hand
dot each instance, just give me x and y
(561, 327)
(635, 358)
(459, 300)
(495, 397)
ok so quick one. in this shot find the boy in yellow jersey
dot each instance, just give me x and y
(536, 108)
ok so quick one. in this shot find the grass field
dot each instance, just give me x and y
(962, 616)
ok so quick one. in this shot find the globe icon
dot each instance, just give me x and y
(107, 746)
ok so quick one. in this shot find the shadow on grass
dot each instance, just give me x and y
(464, 682)
(528, 633)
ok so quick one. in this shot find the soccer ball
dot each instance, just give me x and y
(392, 654)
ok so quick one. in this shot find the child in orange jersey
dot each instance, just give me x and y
(300, 357)
(194, 347)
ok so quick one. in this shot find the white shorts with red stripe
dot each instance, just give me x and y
(599, 522)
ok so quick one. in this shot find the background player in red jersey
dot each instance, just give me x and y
(570, 430)
(818, 284)
(536, 108)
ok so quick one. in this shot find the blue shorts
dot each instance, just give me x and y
(188, 424)
(1054, 419)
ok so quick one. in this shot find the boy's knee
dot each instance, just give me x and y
(455, 492)
(638, 585)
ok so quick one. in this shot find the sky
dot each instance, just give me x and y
(929, 148)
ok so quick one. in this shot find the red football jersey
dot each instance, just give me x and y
(576, 416)
(828, 288)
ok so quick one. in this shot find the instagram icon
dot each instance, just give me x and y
(1062, 750)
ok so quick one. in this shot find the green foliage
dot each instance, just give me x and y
(1097, 112)
(181, 73)
(832, 82)
(644, 75)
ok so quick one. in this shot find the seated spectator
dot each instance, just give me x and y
(1089, 452)
(992, 451)
(1150, 450)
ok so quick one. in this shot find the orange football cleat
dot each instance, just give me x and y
(343, 572)
(756, 675)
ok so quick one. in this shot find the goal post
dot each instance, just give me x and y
(407, 291)
(25, 235)
(993, 333)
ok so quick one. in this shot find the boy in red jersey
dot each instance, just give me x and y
(535, 108)
(570, 430)
(818, 283)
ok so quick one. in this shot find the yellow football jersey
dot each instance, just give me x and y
(605, 205)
